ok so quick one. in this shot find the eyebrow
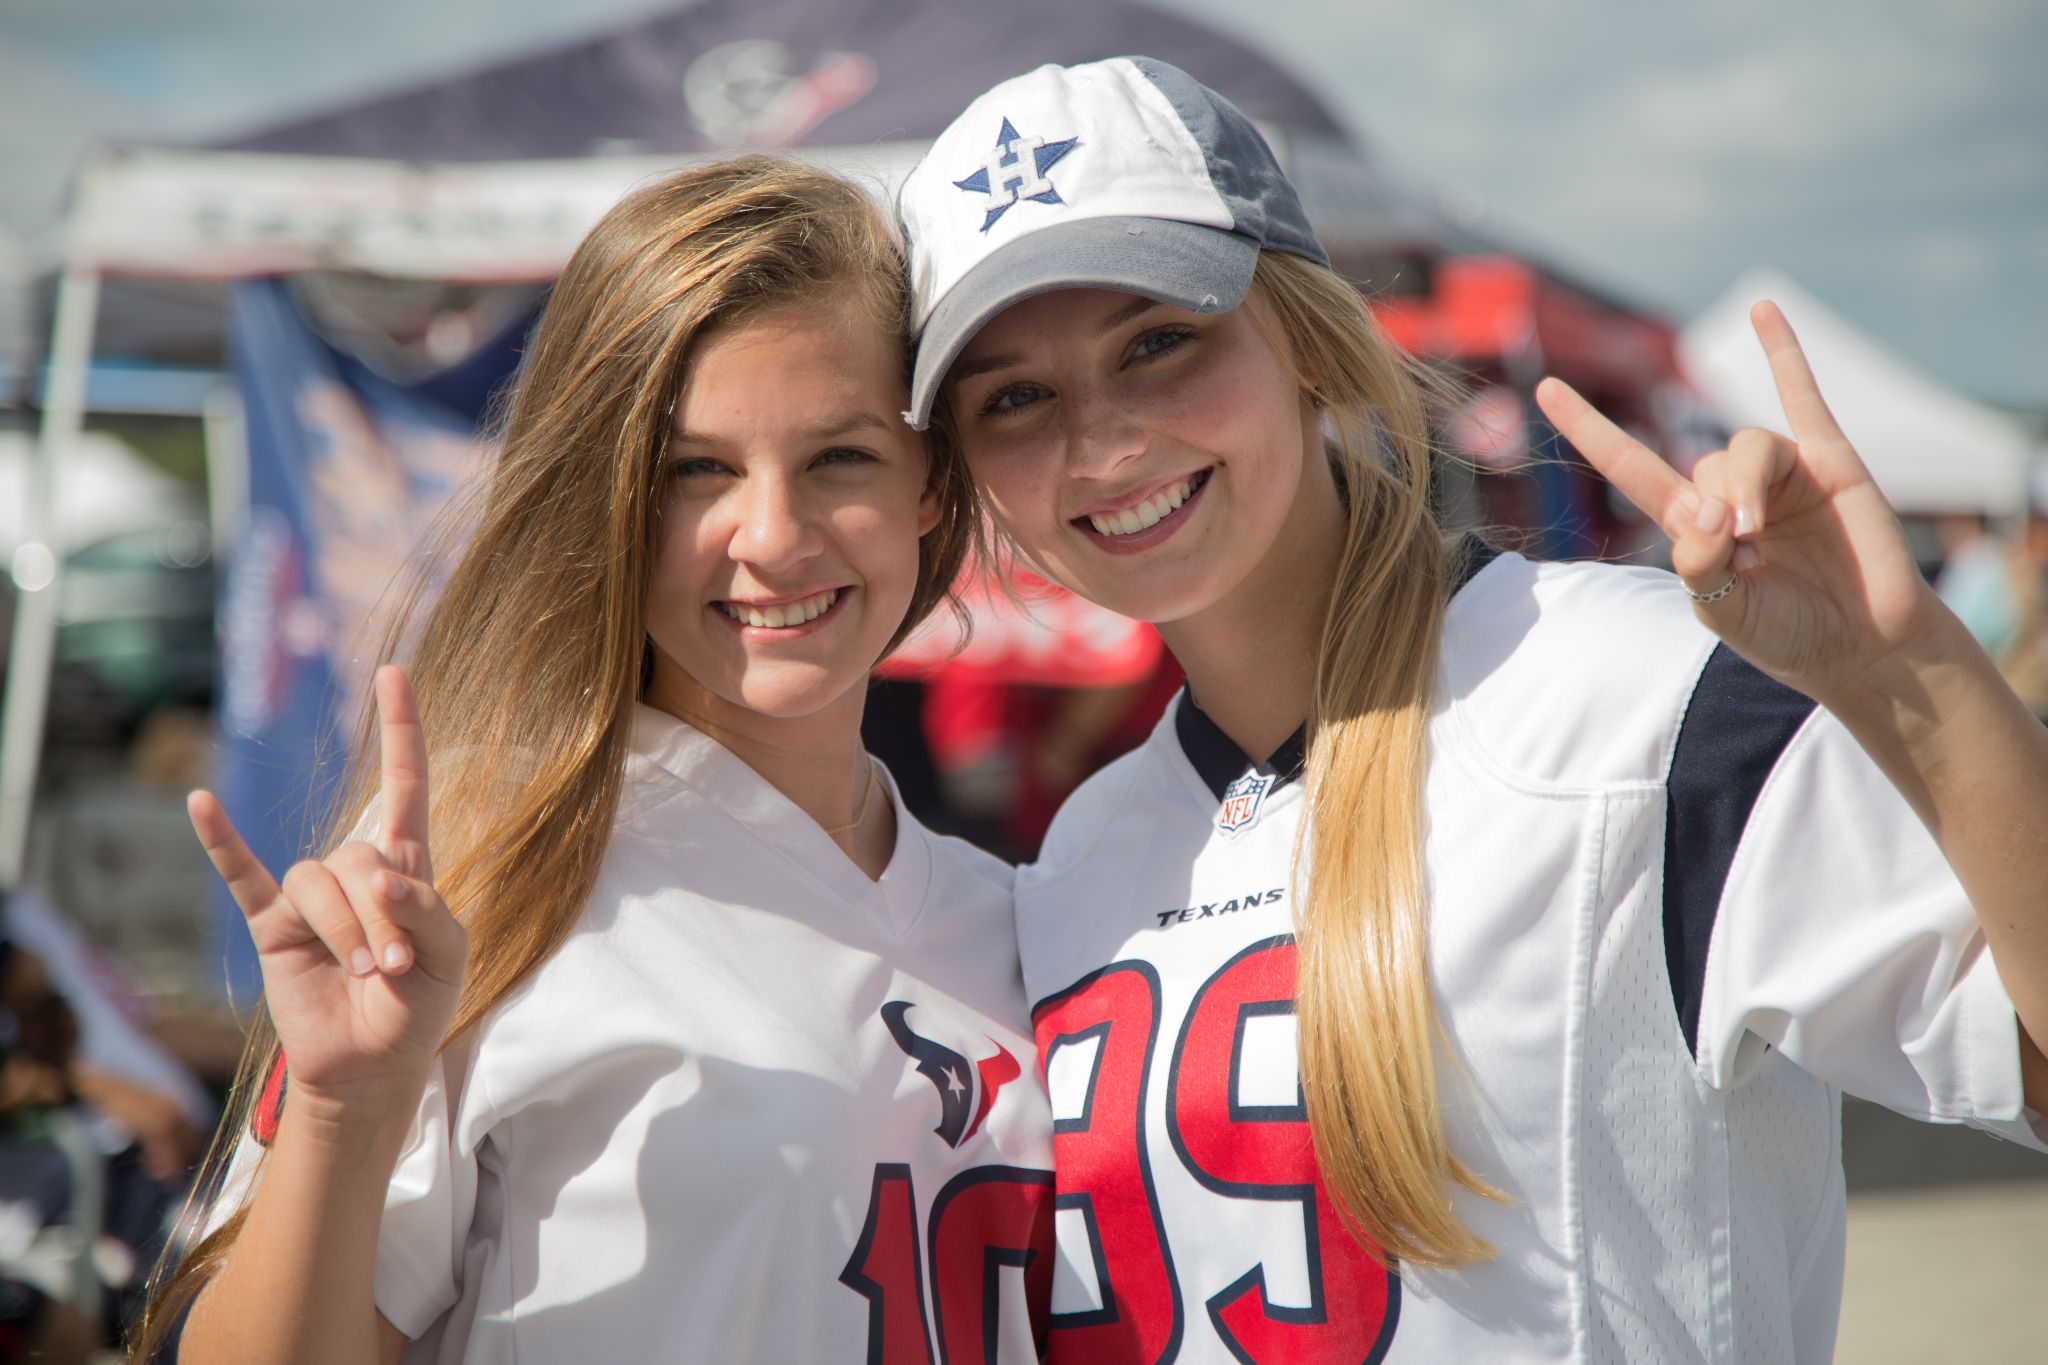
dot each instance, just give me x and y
(1135, 308)
(825, 431)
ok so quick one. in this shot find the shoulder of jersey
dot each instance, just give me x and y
(1571, 674)
(1089, 815)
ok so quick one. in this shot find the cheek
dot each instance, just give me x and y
(1013, 486)
(879, 540)
(681, 555)
(1230, 395)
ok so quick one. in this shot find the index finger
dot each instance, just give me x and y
(403, 760)
(249, 881)
(1798, 393)
(1638, 471)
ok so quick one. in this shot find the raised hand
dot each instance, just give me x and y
(1790, 551)
(362, 961)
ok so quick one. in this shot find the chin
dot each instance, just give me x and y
(792, 694)
(1178, 593)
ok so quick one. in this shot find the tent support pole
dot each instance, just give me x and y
(227, 469)
(39, 566)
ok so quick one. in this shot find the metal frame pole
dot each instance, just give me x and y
(227, 468)
(38, 566)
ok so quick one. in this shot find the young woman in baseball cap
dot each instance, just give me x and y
(1469, 965)
(663, 1032)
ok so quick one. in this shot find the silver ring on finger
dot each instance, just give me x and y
(1717, 594)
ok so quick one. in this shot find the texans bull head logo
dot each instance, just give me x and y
(967, 1091)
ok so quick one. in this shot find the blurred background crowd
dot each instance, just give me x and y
(264, 266)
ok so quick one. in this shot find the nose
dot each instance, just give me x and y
(774, 526)
(1101, 433)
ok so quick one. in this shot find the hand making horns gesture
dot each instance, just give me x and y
(362, 961)
(1790, 553)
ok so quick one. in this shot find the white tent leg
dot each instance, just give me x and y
(227, 469)
(40, 561)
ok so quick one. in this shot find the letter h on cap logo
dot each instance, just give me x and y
(1015, 169)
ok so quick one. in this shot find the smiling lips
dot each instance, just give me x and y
(784, 615)
(1149, 513)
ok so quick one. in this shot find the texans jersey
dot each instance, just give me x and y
(755, 1108)
(1674, 913)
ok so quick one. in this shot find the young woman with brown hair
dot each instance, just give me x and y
(1469, 966)
(685, 1037)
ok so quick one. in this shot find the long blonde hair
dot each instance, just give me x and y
(537, 645)
(1368, 1031)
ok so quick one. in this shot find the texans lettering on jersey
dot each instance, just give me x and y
(1671, 910)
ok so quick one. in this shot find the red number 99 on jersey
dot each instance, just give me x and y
(1234, 1141)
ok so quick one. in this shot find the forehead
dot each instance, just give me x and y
(793, 364)
(841, 317)
(1052, 316)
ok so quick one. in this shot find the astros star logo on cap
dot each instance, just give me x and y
(1006, 177)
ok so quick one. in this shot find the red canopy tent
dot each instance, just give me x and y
(1501, 322)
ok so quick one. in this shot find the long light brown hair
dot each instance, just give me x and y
(1368, 1033)
(527, 664)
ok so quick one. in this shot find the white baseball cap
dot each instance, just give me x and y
(1124, 174)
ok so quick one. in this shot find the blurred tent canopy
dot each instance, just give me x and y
(489, 178)
(414, 224)
(1931, 449)
(494, 175)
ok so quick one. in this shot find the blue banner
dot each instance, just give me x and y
(346, 471)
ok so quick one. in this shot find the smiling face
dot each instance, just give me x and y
(1147, 457)
(794, 500)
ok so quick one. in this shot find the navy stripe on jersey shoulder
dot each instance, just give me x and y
(1216, 757)
(1735, 728)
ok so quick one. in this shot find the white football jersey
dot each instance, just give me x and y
(755, 1108)
(1674, 913)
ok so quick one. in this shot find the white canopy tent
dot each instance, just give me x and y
(108, 488)
(1931, 449)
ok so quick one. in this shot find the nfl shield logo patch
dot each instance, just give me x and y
(1241, 800)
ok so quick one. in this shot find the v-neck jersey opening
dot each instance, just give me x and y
(724, 781)
(1216, 758)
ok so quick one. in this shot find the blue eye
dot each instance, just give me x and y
(1011, 398)
(1159, 341)
(844, 455)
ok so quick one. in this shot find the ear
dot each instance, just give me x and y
(927, 509)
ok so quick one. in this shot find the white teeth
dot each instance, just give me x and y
(782, 617)
(1146, 514)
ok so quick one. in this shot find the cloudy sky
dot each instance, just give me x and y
(1890, 154)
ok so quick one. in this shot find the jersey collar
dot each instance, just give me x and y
(1219, 762)
(1215, 756)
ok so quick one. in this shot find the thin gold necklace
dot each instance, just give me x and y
(861, 814)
